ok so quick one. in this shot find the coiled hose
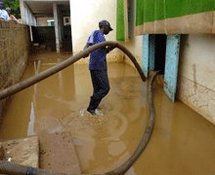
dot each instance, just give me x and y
(15, 169)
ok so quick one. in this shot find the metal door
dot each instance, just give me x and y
(148, 60)
(171, 65)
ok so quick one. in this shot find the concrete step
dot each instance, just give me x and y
(57, 153)
(24, 151)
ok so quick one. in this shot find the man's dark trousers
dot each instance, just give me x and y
(101, 87)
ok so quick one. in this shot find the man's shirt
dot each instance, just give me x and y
(4, 15)
(97, 57)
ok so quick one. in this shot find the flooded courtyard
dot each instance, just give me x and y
(183, 142)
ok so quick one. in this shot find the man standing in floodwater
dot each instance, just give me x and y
(98, 67)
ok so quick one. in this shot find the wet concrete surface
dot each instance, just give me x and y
(182, 142)
(58, 154)
(24, 151)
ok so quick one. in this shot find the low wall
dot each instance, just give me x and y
(14, 50)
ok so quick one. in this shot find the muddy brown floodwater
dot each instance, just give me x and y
(182, 142)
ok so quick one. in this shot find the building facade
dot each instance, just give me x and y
(174, 37)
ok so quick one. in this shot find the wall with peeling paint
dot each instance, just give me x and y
(196, 86)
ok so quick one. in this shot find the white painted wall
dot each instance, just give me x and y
(85, 15)
(135, 46)
(197, 74)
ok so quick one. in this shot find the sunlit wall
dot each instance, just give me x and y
(85, 15)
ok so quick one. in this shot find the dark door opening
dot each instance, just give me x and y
(66, 36)
(67, 39)
(160, 52)
(44, 37)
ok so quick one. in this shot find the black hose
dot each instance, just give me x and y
(32, 80)
(15, 169)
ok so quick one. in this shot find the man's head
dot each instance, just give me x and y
(1, 4)
(8, 10)
(105, 26)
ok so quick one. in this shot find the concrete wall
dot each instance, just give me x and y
(135, 46)
(26, 15)
(133, 43)
(14, 50)
(85, 16)
(197, 72)
(42, 21)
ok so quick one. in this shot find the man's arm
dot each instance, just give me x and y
(85, 47)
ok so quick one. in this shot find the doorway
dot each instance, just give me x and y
(66, 36)
(160, 52)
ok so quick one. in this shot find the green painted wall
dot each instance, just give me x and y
(152, 10)
(120, 30)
